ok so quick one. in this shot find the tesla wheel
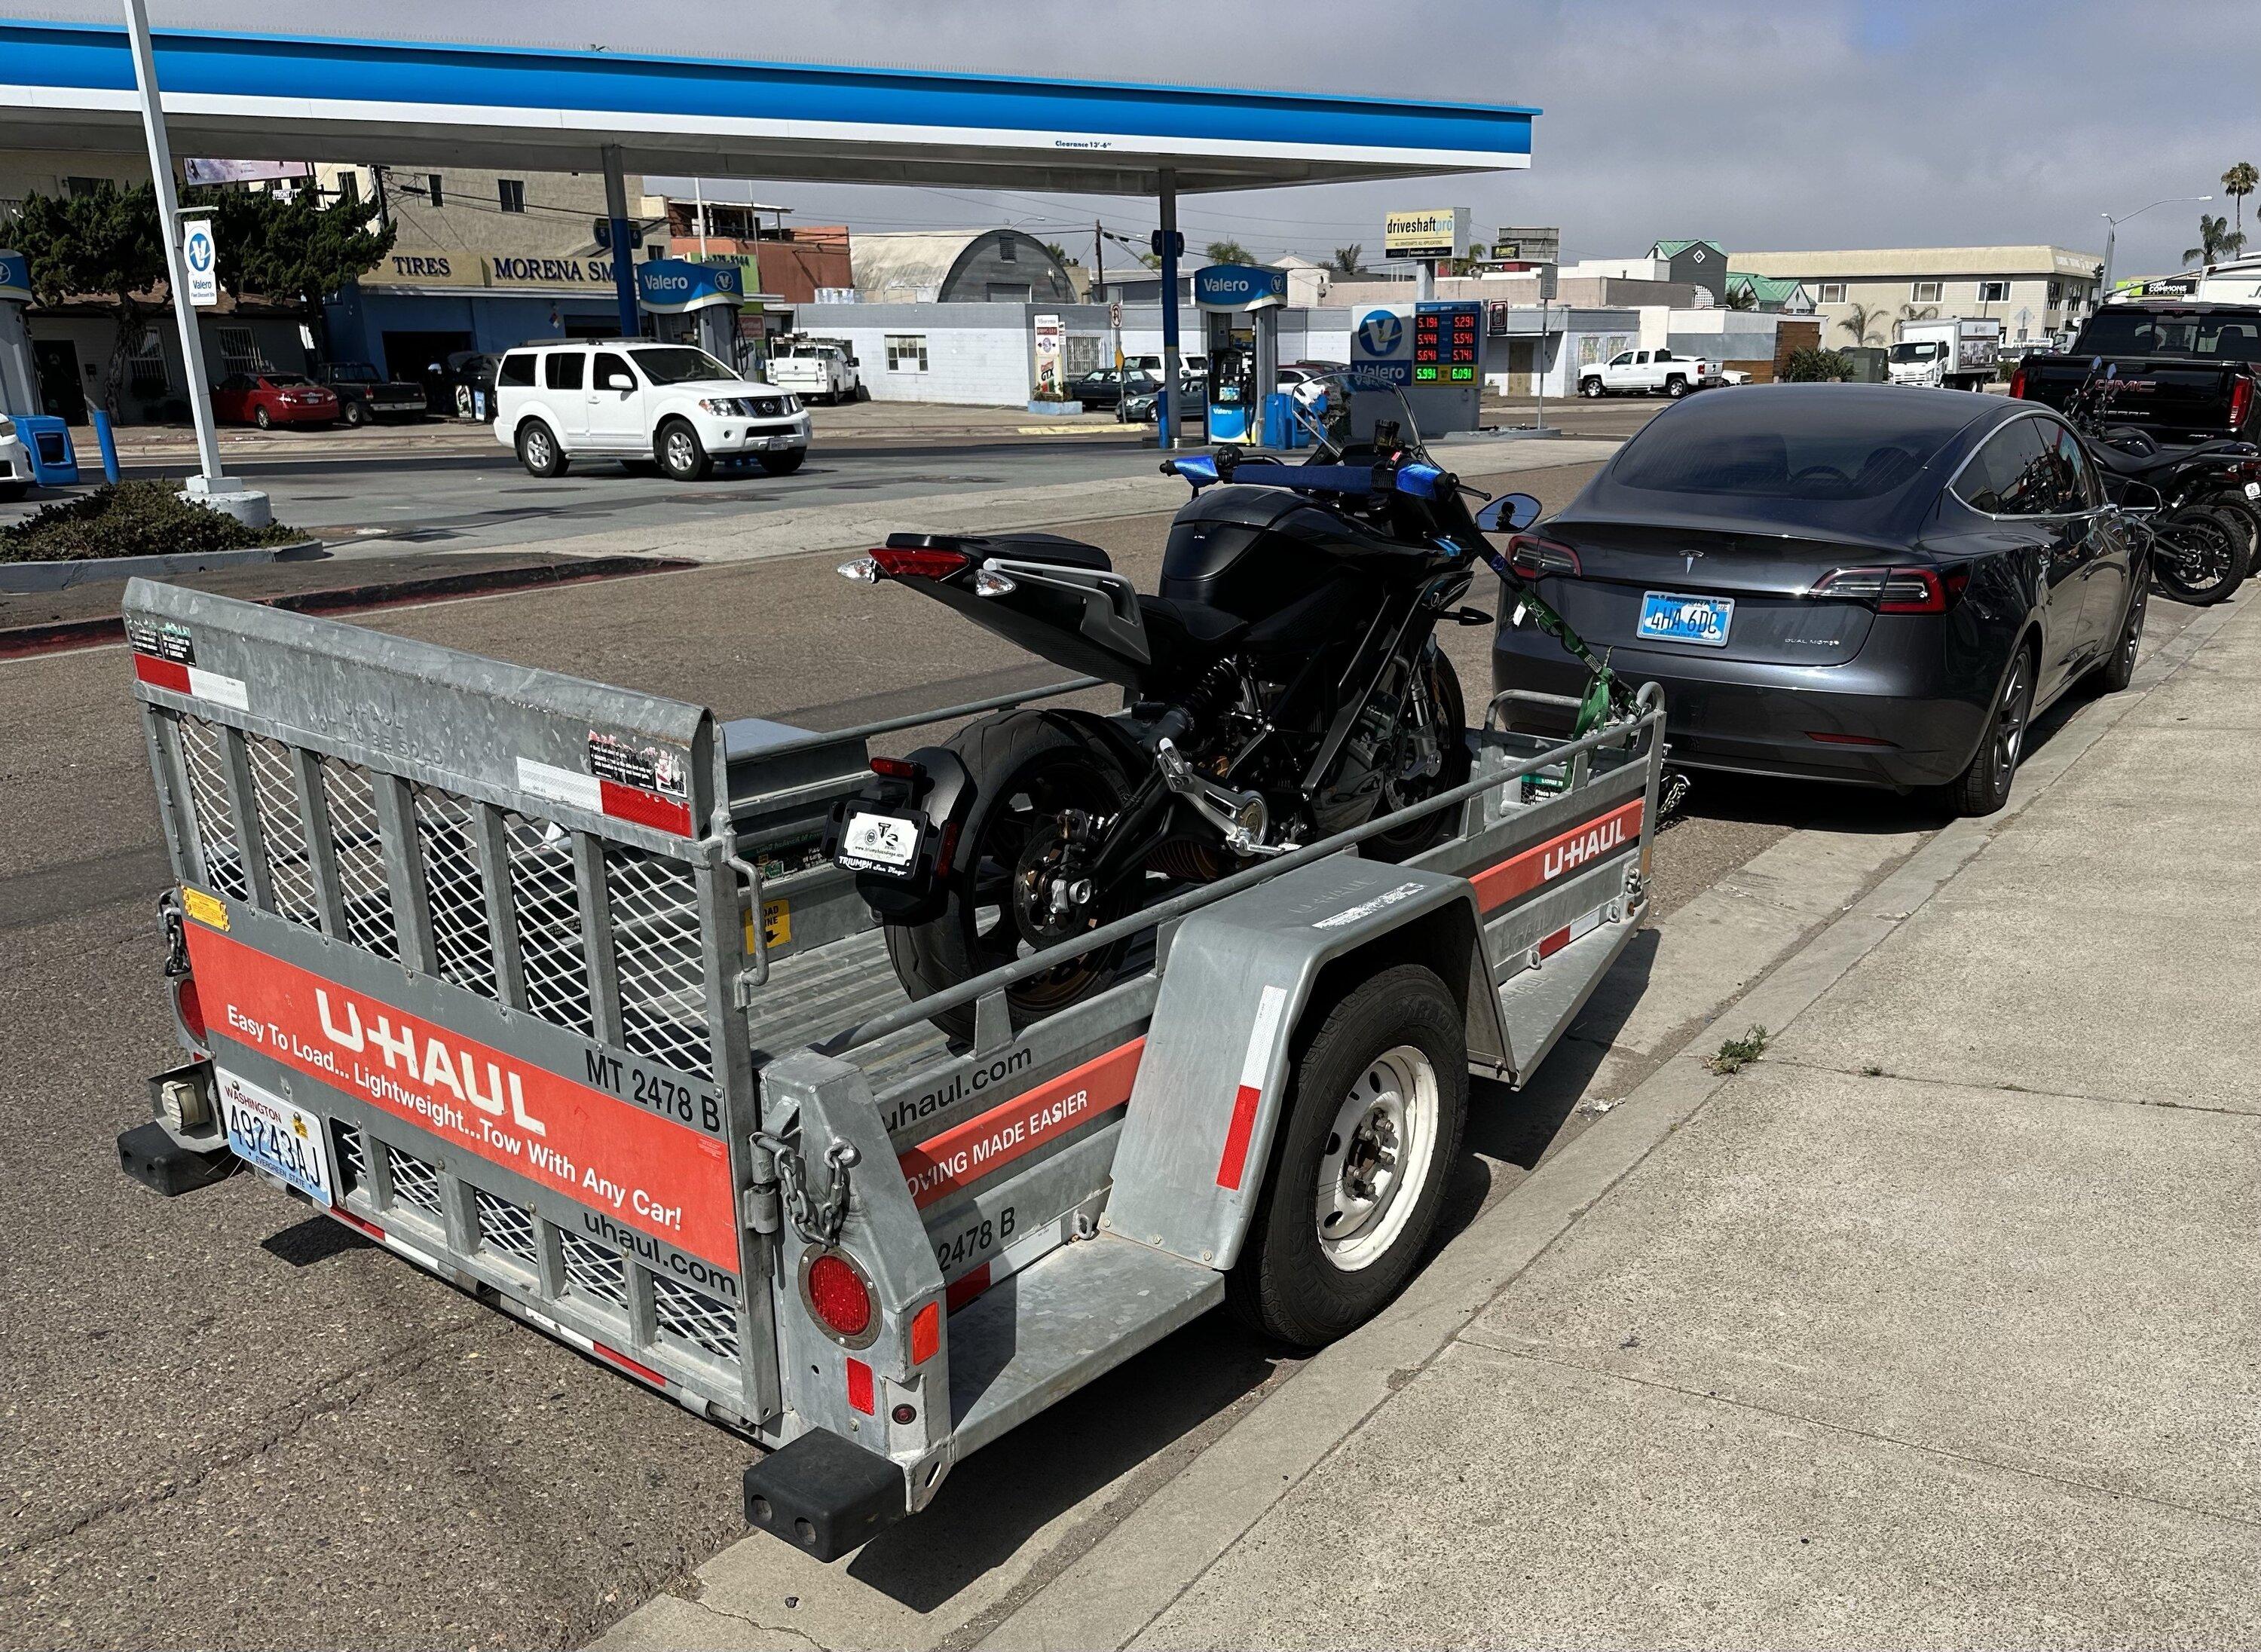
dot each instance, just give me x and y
(2199, 557)
(2119, 669)
(356, 415)
(538, 450)
(260, 417)
(1675, 387)
(1370, 1127)
(1985, 785)
(1590, 389)
(1014, 887)
(782, 464)
(681, 454)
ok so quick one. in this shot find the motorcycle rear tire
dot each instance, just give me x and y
(1027, 766)
(2200, 556)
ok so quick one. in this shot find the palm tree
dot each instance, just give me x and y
(1229, 252)
(2216, 241)
(1744, 296)
(2238, 184)
(1865, 324)
(1348, 258)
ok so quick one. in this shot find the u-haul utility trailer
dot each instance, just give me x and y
(546, 986)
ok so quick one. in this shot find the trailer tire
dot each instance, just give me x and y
(1386, 1071)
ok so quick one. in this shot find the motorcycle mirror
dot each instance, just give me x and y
(1508, 513)
(2141, 496)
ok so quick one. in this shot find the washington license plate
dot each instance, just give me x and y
(274, 1135)
(1668, 618)
(878, 843)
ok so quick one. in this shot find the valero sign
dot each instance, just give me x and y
(672, 285)
(1239, 287)
(15, 277)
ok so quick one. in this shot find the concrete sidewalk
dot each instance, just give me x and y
(1937, 1327)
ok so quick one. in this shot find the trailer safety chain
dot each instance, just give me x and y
(176, 939)
(816, 1220)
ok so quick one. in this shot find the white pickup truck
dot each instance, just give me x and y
(1649, 373)
(1954, 354)
(816, 370)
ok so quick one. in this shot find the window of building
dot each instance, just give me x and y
(240, 352)
(1832, 292)
(907, 352)
(2056, 294)
(146, 371)
(348, 187)
(1924, 291)
(1993, 292)
(513, 192)
(72, 188)
(561, 370)
(1006, 251)
(432, 183)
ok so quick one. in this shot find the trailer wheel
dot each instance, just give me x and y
(1375, 1107)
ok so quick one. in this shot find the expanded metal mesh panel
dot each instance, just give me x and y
(282, 830)
(505, 1228)
(695, 1317)
(657, 953)
(216, 840)
(353, 1158)
(455, 890)
(594, 1269)
(414, 1181)
(546, 904)
(359, 845)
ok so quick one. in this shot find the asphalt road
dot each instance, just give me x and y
(223, 1422)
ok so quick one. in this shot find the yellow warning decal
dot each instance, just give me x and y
(776, 926)
(205, 908)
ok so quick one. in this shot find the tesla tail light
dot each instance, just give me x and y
(1895, 590)
(1533, 556)
(2018, 383)
(919, 564)
(2241, 403)
(838, 1297)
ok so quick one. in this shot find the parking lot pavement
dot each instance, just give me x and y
(227, 1424)
(1928, 1327)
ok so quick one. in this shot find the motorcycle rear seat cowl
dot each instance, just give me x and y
(1052, 548)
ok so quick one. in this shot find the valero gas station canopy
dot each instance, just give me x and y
(397, 102)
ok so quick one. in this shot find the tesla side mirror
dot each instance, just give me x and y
(1508, 513)
(619, 381)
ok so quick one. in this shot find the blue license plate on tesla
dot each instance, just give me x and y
(1668, 618)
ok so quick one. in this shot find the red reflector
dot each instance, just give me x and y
(355, 1223)
(859, 1386)
(2018, 385)
(1845, 739)
(190, 1006)
(838, 1297)
(920, 564)
(926, 1334)
(896, 768)
(613, 1356)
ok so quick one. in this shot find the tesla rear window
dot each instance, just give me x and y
(1762, 447)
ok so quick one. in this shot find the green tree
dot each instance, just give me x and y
(1229, 252)
(99, 243)
(1348, 259)
(2216, 240)
(1811, 366)
(2238, 184)
(1058, 252)
(295, 248)
(1864, 322)
(1743, 296)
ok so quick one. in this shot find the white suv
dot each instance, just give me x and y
(668, 403)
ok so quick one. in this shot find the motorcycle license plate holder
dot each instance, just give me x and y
(883, 842)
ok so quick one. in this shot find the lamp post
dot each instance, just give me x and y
(2111, 232)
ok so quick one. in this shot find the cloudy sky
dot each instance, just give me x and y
(1786, 124)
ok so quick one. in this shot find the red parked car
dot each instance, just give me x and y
(267, 400)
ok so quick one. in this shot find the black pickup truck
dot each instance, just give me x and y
(2183, 370)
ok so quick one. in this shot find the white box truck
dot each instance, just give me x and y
(1954, 354)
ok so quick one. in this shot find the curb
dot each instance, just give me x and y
(23, 641)
(1118, 1587)
(36, 578)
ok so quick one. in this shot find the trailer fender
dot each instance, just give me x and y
(1241, 977)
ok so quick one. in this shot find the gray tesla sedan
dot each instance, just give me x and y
(1842, 582)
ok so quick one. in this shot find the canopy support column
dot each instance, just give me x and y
(1166, 405)
(616, 207)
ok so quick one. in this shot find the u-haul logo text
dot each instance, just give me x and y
(1561, 858)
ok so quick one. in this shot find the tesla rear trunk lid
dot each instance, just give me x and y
(1775, 621)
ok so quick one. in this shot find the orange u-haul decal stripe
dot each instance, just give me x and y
(1542, 863)
(644, 1171)
(965, 1154)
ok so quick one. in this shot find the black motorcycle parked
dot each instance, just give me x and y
(2205, 527)
(1283, 685)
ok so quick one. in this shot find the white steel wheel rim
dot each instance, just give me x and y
(1376, 1158)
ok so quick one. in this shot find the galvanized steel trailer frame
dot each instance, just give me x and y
(595, 1034)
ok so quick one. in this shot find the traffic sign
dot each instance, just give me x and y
(202, 255)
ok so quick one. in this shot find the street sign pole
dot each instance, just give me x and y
(211, 485)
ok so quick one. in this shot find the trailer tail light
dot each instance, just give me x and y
(2241, 403)
(2018, 382)
(838, 1295)
(190, 1009)
(1895, 590)
(1534, 557)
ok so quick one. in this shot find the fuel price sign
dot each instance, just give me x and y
(1448, 343)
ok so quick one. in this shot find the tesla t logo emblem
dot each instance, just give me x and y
(1689, 557)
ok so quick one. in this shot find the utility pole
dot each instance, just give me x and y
(1098, 259)
(211, 485)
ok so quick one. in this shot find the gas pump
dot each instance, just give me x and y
(1240, 306)
(705, 298)
(45, 439)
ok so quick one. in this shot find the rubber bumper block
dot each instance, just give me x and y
(824, 1494)
(153, 1158)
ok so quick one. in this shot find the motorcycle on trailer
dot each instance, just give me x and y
(1283, 685)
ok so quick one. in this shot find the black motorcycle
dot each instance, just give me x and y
(1284, 684)
(2204, 527)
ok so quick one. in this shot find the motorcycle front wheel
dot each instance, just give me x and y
(1033, 771)
(1440, 688)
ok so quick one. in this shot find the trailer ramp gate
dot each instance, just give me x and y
(488, 935)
